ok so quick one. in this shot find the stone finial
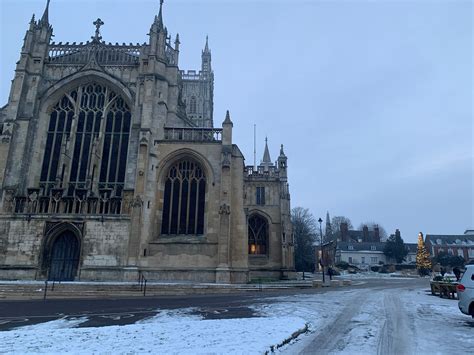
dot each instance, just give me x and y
(97, 23)
(159, 19)
(45, 17)
(227, 130)
(282, 153)
(266, 154)
(227, 119)
(206, 47)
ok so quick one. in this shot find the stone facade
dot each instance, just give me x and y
(108, 173)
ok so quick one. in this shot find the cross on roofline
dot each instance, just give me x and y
(97, 23)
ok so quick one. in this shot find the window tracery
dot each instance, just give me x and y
(87, 142)
(184, 199)
(193, 105)
(257, 234)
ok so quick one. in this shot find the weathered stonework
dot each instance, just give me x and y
(96, 144)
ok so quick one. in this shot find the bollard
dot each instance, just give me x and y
(45, 290)
(52, 288)
(144, 289)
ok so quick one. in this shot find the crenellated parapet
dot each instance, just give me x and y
(194, 75)
(260, 173)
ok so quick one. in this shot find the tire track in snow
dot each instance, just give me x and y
(332, 337)
(396, 335)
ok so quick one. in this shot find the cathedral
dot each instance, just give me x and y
(111, 168)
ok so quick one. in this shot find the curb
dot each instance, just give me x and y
(289, 339)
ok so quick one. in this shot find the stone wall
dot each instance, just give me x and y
(20, 244)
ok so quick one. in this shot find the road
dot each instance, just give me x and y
(121, 311)
(375, 311)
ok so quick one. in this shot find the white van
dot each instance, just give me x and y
(465, 291)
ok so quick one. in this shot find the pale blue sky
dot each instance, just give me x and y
(372, 99)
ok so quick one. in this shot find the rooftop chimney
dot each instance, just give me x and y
(365, 234)
(376, 233)
(344, 232)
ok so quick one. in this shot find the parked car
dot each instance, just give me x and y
(465, 291)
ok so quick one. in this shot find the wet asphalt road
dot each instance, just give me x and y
(121, 311)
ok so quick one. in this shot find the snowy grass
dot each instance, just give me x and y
(167, 333)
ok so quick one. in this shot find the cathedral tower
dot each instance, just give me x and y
(198, 91)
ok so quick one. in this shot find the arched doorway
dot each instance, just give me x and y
(64, 257)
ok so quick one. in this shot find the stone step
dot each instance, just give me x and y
(100, 290)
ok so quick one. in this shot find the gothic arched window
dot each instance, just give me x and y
(193, 105)
(258, 235)
(184, 197)
(87, 141)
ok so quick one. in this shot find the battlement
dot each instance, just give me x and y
(193, 75)
(260, 173)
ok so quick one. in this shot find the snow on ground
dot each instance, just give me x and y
(171, 333)
(358, 321)
(408, 320)
(375, 275)
(439, 324)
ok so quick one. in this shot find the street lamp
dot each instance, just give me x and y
(321, 243)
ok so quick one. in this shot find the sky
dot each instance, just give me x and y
(371, 99)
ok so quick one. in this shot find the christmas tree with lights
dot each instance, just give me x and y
(423, 262)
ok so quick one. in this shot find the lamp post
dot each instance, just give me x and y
(321, 244)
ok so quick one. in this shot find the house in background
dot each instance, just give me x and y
(362, 249)
(456, 244)
(365, 235)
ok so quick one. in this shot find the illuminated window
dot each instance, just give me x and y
(258, 235)
(184, 199)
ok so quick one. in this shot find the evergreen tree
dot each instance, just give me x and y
(395, 248)
(423, 262)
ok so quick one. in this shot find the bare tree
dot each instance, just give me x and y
(371, 225)
(336, 223)
(305, 232)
